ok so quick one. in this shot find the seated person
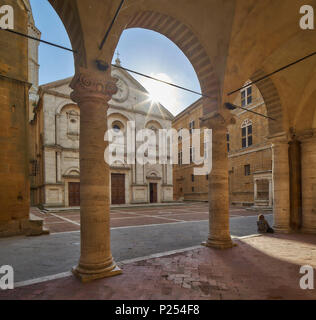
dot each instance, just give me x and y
(263, 225)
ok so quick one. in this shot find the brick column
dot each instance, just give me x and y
(308, 163)
(92, 91)
(281, 184)
(219, 234)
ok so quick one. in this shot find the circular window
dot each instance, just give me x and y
(116, 128)
(73, 121)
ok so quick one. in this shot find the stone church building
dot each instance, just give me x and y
(56, 144)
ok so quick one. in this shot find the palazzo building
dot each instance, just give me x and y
(18, 82)
(249, 154)
(56, 181)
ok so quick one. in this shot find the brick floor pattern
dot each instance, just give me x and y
(265, 267)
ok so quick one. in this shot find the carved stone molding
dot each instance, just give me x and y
(280, 138)
(306, 135)
(218, 119)
(89, 86)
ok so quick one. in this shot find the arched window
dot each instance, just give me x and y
(73, 123)
(246, 133)
(116, 128)
(180, 134)
(246, 96)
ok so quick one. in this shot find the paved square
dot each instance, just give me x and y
(69, 220)
(265, 267)
(135, 233)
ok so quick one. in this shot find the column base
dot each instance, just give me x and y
(219, 244)
(90, 275)
(307, 230)
(282, 229)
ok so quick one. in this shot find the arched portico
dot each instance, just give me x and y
(226, 42)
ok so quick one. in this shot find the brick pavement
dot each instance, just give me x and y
(65, 221)
(265, 267)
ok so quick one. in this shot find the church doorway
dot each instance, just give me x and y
(118, 188)
(74, 194)
(153, 192)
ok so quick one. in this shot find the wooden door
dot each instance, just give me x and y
(153, 193)
(118, 188)
(74, 194)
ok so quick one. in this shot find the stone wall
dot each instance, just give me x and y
(258, 156)
(186, 188)
(14, 113)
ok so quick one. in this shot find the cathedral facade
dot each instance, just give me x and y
(56, 145)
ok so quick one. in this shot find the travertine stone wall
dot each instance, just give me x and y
(258, 156)
(14, 185)
(308, 151)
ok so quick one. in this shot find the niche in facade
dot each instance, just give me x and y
(73, 124)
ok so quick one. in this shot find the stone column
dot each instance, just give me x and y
(281, 181)
(270, 193)
(219, 234)
(295, 184)
(58, 166)
(92, 91)
(308, 156)
(57, 129)
(255, 186)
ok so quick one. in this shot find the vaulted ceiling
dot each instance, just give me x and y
(227, 42)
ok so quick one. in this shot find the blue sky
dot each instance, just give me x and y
(142, 50)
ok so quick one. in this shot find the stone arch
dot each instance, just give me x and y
(155, 123)
(305, 117)
(65, 105)
(182, 35)
(246, 123)
(70, 171)
(272, 101)
(115, 116)
(119, 162)
(68, 13)
(153, 173)
(124, 116)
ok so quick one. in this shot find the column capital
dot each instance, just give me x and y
(217, 119)
(307, 136)
(279, 139)
(89, 85)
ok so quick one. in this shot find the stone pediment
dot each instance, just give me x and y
(58, 87)
(131, 95)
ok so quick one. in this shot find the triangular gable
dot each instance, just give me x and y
(155, 108)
